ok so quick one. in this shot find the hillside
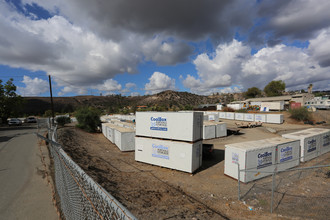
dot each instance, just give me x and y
(167, 100)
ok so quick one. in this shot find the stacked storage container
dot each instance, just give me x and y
(183, 156)
(310, 143)
(170, 139)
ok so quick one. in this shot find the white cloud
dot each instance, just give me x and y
(319, 48)
(159, 82)
(218, 70)
(130, 85)
(73, 89)
(109, 85)
(63, 49)
(33, 87)
(232, 64)
(166, 52)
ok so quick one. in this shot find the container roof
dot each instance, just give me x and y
(252, 145)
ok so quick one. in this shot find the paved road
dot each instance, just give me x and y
(24, 193)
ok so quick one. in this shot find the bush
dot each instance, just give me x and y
(228, 109)
(88, 118)
(62, 120)
(300, 114)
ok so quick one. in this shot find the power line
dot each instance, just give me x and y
(10, 76)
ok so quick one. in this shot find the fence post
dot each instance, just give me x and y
(273, 188)
(239, 180)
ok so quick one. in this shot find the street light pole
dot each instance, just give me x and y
(51, 98)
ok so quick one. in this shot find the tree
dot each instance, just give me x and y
(88, 118)
(274, 88)
(10, 102)
(252, 93)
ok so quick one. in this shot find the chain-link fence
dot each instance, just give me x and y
(301, 192)
(80, 196)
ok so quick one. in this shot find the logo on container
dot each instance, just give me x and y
(234, 158)
(266, 154)
(311, 145)
(158, 123)
(286, 154)
(160, 151)
(264, 159)
(157, 119)
(286, 149)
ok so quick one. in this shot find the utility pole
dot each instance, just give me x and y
(51, 99)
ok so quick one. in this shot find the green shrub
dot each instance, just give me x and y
(88, 118)
(300, 114)
(62, 120)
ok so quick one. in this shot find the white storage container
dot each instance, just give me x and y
(125, 124)
(248, 117)
(254, 156)
(273, 105)
(324, 138)
(208, 130)
(274, 118)
(213, 116)
(309, 144)
(125, 139)
(111, 132)
(205, 117)
(104, 131)
(260, 117)
(230, 115)
(239, 116)
(255, 103)
(288, 152)
(222, 115)
(235, 106)
(220, 129)
(185, 126)
(177, 155)
(325, 142)
(108, 131)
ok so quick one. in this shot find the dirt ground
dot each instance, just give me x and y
(152, 192)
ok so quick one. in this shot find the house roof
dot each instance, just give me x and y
(270, 99)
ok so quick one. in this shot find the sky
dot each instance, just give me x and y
(132, 47)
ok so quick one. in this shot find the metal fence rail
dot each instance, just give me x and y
(80, 196)
(283, 179)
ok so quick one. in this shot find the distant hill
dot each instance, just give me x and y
(166, 100)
